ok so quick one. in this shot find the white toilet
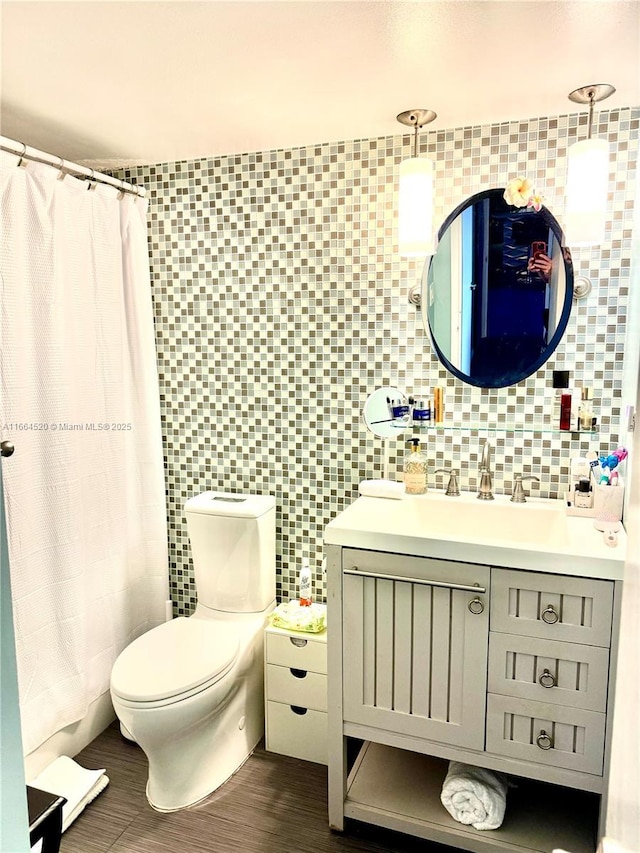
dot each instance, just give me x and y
(190, 692)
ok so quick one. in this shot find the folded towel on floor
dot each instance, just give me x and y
(474, 796)
(68, 779)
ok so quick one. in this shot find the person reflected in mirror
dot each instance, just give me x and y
(540, 264)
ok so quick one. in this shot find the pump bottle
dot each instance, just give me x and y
(415, 469)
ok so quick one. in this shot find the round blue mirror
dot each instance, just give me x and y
(497, 294)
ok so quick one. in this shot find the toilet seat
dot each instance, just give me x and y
(174, 660)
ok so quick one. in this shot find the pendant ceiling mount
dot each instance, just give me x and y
(592, 94)
(416, 118)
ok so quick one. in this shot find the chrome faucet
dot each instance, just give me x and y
(518, 496)
(453, 489)
(485, 492)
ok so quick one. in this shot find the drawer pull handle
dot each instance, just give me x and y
(475, 606)
(298, 710)
(544, 740)
(299, 642)
(298, 673)
(547, 679)
(550, 616)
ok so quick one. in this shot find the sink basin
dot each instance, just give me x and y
(535, 535)
(466, 517)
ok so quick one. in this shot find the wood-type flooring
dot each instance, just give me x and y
(273, 804)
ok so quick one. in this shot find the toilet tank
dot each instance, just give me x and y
(233, 546)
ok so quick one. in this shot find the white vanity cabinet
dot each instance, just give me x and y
(434, 658)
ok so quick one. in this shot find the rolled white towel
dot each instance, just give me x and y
(474, 796)
(382, 489)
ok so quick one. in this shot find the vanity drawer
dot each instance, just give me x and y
(554, 607)
(296, 731)
(297, 687)
(293, 649)
(545, 734)
(549, 671)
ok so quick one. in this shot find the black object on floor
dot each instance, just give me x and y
(45, 819)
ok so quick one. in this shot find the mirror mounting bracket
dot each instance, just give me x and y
(415, 295)
(581, 287)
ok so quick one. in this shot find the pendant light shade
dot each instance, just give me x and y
(587, 180)
(587, 177)
(415, 207)
(415, 198)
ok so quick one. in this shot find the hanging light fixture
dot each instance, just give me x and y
(415, 201)
(587, 176)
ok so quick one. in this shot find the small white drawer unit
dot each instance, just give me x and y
(296, 693)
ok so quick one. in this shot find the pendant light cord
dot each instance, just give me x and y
(591, 104)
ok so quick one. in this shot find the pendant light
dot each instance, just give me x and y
(587, 176)
(415, 200)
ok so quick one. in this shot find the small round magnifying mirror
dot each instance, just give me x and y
(378, 412)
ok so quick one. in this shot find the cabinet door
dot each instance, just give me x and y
(415, 653)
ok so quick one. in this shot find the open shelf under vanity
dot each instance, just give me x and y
(400, 790)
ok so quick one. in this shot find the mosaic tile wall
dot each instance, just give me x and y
(281, 303)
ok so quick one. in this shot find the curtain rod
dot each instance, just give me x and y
(66, 167)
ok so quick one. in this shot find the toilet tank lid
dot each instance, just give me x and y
(231, 504)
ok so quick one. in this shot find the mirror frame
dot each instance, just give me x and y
(551, 222)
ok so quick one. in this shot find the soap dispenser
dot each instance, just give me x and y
(415, 469)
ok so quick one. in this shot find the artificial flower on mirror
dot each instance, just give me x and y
(535, 201)
(520, 192)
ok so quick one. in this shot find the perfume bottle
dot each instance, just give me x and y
(585, 413)
(565, 411)
(560, 381)
(415, 469)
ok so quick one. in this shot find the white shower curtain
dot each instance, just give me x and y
(84, 490)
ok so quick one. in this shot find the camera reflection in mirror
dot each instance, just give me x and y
(497, 293)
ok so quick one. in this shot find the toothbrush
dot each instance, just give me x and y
(594, 463)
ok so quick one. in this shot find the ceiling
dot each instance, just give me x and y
(115, 83)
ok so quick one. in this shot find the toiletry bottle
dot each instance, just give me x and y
(415, 469)
(585, 413)
(565, 411)
(560, 381)
(304, 584)
(438, 405)
(422, 411)
(400, 410)
(583, 496)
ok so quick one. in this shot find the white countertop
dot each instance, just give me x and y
(537, 535)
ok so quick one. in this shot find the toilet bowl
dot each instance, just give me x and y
(190, 691)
